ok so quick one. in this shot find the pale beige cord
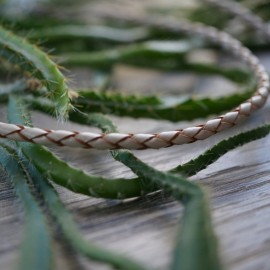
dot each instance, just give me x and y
(167, 138)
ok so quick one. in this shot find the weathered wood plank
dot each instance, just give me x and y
(145, 228)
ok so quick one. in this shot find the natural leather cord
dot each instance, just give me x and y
(165, 138)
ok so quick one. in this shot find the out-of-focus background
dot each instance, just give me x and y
(145, 228)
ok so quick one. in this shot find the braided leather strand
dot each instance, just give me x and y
(162, 139)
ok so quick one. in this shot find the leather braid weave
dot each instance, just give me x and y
(167, 138)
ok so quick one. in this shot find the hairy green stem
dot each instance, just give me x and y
(126, 188)
(189, 109)
(36, 246)
(61, 215)
(19, 51)
(134, 106)
(196, 221)
(144, 107)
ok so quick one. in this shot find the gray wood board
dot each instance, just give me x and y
(145, 228)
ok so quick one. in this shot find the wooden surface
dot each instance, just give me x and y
(145, 228)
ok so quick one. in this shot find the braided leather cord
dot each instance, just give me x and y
(167, 138)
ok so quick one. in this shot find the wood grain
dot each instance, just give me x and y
(145, 228)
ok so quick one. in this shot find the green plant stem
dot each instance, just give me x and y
(183, 190)
(90, 32)
(80, 37)
(195, 165)
(57, 209)
(139, 54)
(19, 51)
(11, 88)
(196, 226)
(70, 230)
(36, 246)
(196, 245)
(144, 107)
(196, 221)
(79, 181)
(189, 109)
(134, 106)
(166, 56)
(76, 180)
